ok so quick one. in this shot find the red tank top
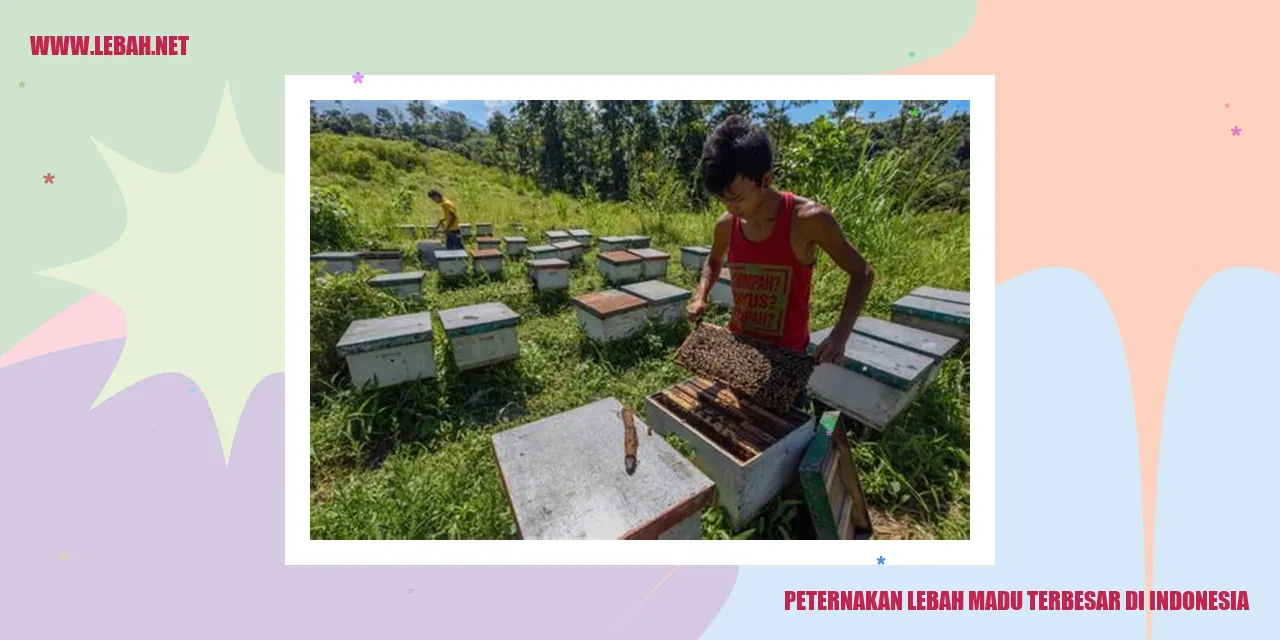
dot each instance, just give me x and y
(770, 286)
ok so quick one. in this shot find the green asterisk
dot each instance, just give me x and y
(22, 85)
(915, 113)
(911, 54)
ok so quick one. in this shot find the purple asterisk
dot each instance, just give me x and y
(1235, 131)
(357, 78)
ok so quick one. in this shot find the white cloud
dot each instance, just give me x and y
(491, 106)
(439, 103)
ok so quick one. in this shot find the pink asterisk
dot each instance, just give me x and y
(1235, 131)
(1227, 105)
(357, 78)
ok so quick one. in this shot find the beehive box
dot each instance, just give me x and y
(655, 262)
(337, 261)
(935, 310)
(385, 260)
(610, 315)
(556, 236)
(427, 252)
(872, 382)
(484, 229)
(452, 263)
(488, 242)
(773, 378)
(581, 235)
(612, 243)
(691, 258)
(543, 252)
(388, 351)
(664, 303)
(750, 452)
(410, 230)
(486, 261)
(551, 274)
(465, 230)
(722, 290)
(620, 267)
(565, 479)
(404, 285)
(515, 245)
(570, 250)
(637, 242)
(832, 489)
(481, 335)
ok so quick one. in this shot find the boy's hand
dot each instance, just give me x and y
(832, 348)
(695, 310)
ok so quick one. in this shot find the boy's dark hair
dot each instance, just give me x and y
(434, 194)
(735, 148)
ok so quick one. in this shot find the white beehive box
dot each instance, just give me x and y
(404, 285)
(515, 245)
(692, 258)
(543, 252)
(655, 262)
(637, 242)
(581, 235)
(746, 478)
(385, 260)
(556, 236)
(570, 250)
(484, 229)
(566, 479)
(481, 335)
(427, 252)
(452, 263)
(551, 274)
(610, 315)
(337, 261)
(488, 242)
(465, 230)
(612, 243)
(620, 267)
(487, 261)
(664, 303)
(388, 351)
(410, 230)
(722, 290)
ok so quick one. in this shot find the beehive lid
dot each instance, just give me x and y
(430, 243)
(335, 255)
(608, 303)
(702, 251)
(567, 244)
(549, 263)
(541, 248)
(946, 295)
(394, 279)
(619, 257)
(579, 233)
(380, 254)
(480, 254)
(484, 224)
(383, 333)
(487, 240)
(923, 342)
(879, 360)
(558, 235)
(514, 239)
(451, 254)
(614, 239)
(465, 225)
(409, 226)
(480, 318)
(656, 291)
(565, 478)
(650, 254)
(932, 309)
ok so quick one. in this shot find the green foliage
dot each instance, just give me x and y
(336, 301)
(333, 228)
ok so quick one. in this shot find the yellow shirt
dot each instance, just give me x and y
(450, 221)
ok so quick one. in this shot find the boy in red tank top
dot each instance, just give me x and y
(771, 239)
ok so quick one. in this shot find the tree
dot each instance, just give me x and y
(498, 130)
(614, 180)
(362, 124)
(842, 108)
(578, 124)
(417, 111)
(728, 108)
(551, 165)
(386, 122)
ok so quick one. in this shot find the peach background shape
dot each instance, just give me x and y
(1114, 157)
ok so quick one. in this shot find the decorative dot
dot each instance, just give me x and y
(192, 389)
(48, 178)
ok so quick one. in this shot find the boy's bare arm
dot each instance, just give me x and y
(819, 226)
(711, 267)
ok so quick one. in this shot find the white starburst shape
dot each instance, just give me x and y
(198, 272)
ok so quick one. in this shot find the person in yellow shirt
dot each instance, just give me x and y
(452, 228)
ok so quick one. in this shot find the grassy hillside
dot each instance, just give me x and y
(415, 461)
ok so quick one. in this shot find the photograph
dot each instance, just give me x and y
(639, 319)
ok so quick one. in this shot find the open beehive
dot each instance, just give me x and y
(384, 259)
(772, 377)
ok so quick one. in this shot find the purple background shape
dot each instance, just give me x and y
(165, 541)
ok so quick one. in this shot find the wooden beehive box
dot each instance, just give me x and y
(427, 252)
(556, 236)
(664, 303)
(484, 229)
(543, 252)
(751, 453)
(565, 480)
(388, 351)
(410, 230)
(405, 285)
(637, 242)
(612, 243)
(488, 242)
(551, 274)
(935, 310)
(515, 245)
(337, 261)
(386, 260)
(654, 261)
(465, 230)
(620, 267)
(452, 263)
(581, 235)
(832, 489)
(692, 258)
(873, 381)
(481, 335)
(486, 261)
(610, 315)
(722, 290)
(570, 250)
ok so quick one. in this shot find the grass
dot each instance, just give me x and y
(415, 460)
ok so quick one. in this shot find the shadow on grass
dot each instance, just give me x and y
(651, 342)
(549, 303)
